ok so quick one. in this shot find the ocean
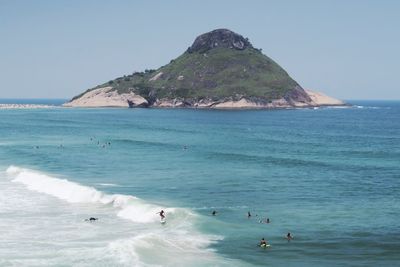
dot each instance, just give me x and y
(329, 176)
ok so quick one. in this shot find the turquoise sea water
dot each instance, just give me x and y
(330, 176)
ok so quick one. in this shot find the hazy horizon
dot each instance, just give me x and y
(56, 50)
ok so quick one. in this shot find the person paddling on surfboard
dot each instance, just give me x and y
(162, 215)
(263, 242)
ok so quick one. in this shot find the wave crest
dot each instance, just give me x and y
(129, 207)
(178, 243)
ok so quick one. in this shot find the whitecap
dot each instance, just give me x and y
(128, 207)
(107, 185)
(177, 243)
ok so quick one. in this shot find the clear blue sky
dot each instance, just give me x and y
(57, 49)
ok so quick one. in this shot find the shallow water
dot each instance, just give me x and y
(329, 176)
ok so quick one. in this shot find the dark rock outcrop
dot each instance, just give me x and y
(297, 95)
(219, 38)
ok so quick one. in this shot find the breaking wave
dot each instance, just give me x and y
(177, 243)
(129, 207)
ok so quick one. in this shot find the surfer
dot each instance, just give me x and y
(91, 219)
(213, 213)
(248, 214)
(289, 237)
(263, 242)
(162, 214)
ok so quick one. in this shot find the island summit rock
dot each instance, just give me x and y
(219, 38)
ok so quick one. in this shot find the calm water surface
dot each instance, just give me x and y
(330, 176)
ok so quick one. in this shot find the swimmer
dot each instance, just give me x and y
(289, 237)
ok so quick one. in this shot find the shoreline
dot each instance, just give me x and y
(213, 107)
(38, 106)
(107, 97)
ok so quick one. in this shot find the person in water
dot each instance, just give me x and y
(213, 213)
(267, 220)
(263, 242)
(248, 214)
(162, 214)
(91, 219)
(289, 237)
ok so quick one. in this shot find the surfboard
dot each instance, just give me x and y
(265, 245)
(163, 221)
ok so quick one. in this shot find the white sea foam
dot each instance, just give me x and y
(143, 243)
(26, 106)
(129, 207)
(190, 247)
(354, 107)
(337, 107)
(108, 185)
(60, 188)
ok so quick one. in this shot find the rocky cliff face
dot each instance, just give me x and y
(221, 38)
(221, 69)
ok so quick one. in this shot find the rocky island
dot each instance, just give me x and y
(221, 69)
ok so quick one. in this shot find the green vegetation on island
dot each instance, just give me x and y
(220, 65)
